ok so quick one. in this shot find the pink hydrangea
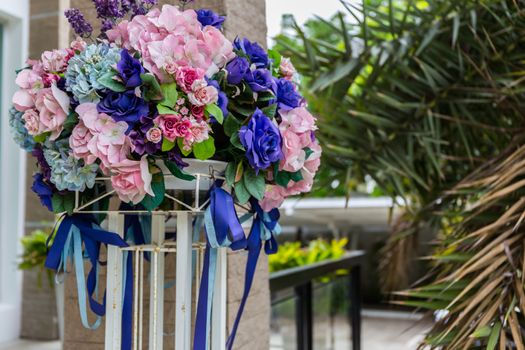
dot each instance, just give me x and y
(298, 120)
(293, 152)
(170, 38)
(29, 79)
(109, 142)
(273, 197)
(287, 69)
(132, 180)
(78, 44)
(53, 107)
(23, 100)
(56, 61)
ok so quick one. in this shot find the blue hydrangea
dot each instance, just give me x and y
(69, 173)
(85, 69)
(19, 131)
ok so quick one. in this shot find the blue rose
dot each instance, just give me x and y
(123, 106)
(129, 69)
(287, 95)
(209, 18)
(43, 190)
(257, 55)
(259, 80)
(261, 140)
(237, 69)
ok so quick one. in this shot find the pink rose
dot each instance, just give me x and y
(286, 68)
(293, 153)
(273, 197)
(197, 112)
(198, 132)
(79, 140)
(55, 61)
(132, 180)
(32, 122)
(173, 126)
(23, 100)
(202, 95)
(186, 76)
(53, 106)
(298, 120)
(154, 135)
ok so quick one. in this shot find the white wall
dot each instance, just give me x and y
(14, 17)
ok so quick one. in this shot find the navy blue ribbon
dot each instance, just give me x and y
(91, 236)
(223, 229)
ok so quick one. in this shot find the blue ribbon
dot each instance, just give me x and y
(224, 229)
(73, 232)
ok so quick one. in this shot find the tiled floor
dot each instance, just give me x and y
(382, 330)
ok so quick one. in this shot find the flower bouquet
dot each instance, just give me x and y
(163, 86)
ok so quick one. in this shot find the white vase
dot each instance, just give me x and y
(195, 166)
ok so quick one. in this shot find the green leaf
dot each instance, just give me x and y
(265, 96)
(275, 57)
(236, 142)
(241, 193)
(270, 110)
(108, 81)
(482, 332)
(152, 91)
(157, 185)
(255, 184)
(308, 152)
(71, 121)
(216, 112)
(205, 149)
(181, 147)
(282, 178)
(42, 137)
(167, 145)
(297, 176)
(231, 125)
(178, 172)
(165, 110)
(63, 203)
(494, 336)
(230, 173)
(169, 91)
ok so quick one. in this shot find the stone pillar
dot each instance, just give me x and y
(256, 317)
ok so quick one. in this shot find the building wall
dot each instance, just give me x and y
(13, 51)
(47, 14)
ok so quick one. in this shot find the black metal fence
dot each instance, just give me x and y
(301, 281)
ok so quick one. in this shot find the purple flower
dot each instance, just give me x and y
(141, 143)
(209, 18)
(287, 95)
(260, 80)
(175, 156)
(107, 9)
(123, 106)
(257, 55)
(43, 190)
(38, 153)
(129, 69)
(237, 69)
(79, 24)
(262, 141)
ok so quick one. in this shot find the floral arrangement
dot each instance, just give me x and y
(161, 85)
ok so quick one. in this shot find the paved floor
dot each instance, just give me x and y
(381, 330)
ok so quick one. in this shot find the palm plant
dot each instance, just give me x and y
(427, 99)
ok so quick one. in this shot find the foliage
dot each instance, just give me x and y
(292, 254)
(427, 99)
(34, 254)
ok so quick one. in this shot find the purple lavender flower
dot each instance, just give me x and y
(107, 9)
(79, 24)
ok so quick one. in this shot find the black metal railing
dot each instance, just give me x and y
(300, 280)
